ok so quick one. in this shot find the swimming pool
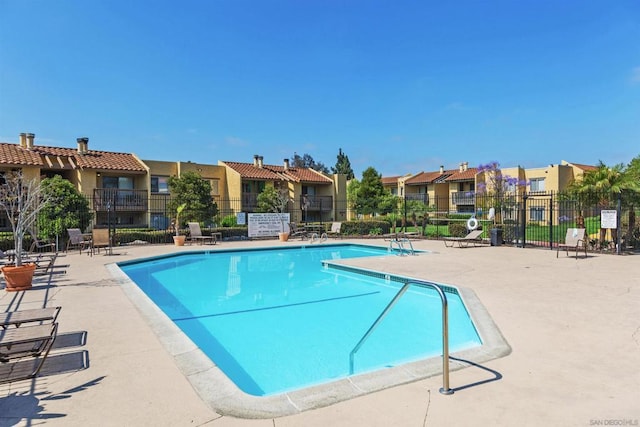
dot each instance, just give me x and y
(276, 320)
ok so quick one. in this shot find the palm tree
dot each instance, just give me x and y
(602, 187)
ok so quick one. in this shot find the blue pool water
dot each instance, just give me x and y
(276, 320)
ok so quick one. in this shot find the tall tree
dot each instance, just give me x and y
(68, 208)
(191, 189)
(370, 192)
(343, 165)
(306, 161)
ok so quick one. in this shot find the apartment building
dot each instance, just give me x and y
(315, 196)
(132, 192)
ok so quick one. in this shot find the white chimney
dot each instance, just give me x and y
(30, 137)
(461, 167)
(260, 162)
(441, 169)
(466, 166)
(255, 160)
(286, 164)
(23, 140)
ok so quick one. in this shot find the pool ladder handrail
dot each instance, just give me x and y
(400, 243)
(445, 329)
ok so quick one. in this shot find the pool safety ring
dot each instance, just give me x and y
(472, 224)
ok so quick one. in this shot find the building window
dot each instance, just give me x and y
(308, 190)
(537, 184)
(215, 186)
(118, 182)
(160, 184)
(536, 214)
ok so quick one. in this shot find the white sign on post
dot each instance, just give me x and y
(240, 218)
(267, 224)
(608, 219)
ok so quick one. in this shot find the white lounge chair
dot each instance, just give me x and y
(574, 239)
(335, 230)
(472, 238)
(195, 234)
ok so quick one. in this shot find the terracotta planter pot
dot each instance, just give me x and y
(18, 278)
(283, 237)
(179, 240)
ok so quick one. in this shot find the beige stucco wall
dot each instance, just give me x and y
(441, 195)
(339, 197)
(233, 185)
(210, 172)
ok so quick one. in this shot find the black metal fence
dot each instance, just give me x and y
(531, 219)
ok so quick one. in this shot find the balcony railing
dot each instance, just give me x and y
(463, 198)
(114, 199)
(316, 203)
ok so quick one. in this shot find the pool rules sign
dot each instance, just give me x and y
(267, 224)
(608, 219)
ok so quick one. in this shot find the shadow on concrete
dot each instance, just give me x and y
(496, 375)
(27, 407)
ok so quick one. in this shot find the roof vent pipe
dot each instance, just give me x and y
(441, 169)
(30, 137)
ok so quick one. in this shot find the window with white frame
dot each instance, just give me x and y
(536, 184)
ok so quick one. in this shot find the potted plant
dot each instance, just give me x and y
(22, 200)
(178, 239)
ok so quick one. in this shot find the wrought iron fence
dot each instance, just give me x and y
(530, 219)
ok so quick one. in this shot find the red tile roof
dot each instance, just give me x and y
(278, 173)
(469, 174)
(13, 154)
(585, 167)
(427, 177)
(390, 180)
(68, 158)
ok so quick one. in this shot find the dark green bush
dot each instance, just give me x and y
(458, 229)
(361, 228)
(229, 221)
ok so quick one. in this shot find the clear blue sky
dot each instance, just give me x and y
(402, 86)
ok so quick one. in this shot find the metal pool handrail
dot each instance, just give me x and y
(400, 244)
(445, 329)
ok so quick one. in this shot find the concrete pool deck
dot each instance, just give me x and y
(573, 327)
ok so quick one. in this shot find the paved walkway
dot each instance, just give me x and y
(573, 326)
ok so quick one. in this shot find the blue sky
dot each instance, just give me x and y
(402, 86)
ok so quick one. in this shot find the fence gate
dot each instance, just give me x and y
(537, 220)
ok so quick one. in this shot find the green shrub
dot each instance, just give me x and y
(458, 229)
(363, 228)
(376, 231)
(229, 221)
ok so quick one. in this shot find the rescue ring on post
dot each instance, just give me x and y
(472, 224)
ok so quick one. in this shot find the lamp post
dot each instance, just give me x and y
(109, 223)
